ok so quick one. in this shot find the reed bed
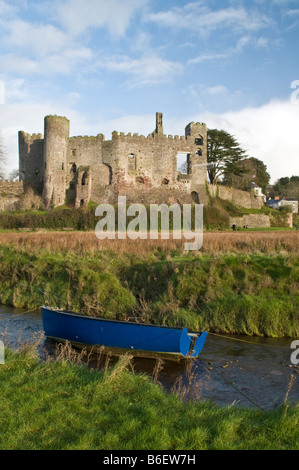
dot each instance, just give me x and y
(213, 242)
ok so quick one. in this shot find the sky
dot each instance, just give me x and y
(112, 64)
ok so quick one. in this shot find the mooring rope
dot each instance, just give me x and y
(229, 383)
(29, 311)
(248, 342)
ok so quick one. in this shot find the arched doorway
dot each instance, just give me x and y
(195, 197)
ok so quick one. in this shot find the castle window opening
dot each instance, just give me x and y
(199, 153)
(195, 197)
(140, 180)
(73, 168)
(183, 163)
(165, 181)
(131, 162)
(84, 178)
(110, 173)
(62, 166)
(82, 202)
(199, 141)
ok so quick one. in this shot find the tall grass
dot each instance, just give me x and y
(58, 405)
(213, 243)
(246, 293)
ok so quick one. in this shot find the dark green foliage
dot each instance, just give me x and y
(247, 171)
(286, 187)
(78, 219)
(224, 152)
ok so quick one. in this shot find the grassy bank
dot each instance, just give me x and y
(242, 292)
(57, 405)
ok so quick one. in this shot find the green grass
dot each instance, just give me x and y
(252, 294)
(58, 405)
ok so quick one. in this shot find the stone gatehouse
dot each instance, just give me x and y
(76, 170)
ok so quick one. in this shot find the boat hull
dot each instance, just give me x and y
(120, 336)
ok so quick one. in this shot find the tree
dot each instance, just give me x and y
(14, 175)
(224, 154)
(286, 187)
(2, 161)
(249, 170)
(262, 177)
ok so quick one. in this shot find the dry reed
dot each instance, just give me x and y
(214, 242)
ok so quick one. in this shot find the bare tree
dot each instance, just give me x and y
(2, 160)
(14, 175)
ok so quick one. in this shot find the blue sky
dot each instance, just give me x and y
(112, 64)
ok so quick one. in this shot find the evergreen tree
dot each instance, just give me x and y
(224, 154)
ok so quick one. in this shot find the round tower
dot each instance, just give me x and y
(56, 137)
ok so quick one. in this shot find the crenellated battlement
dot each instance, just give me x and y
(150, 137)
(86, 138)
(10, 185)
(29, 138)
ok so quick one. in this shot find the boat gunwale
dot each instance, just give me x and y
(125, 322)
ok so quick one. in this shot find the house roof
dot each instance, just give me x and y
(253, 185)
(273, 201)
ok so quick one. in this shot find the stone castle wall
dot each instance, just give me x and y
(236, 196)
(10, 193)
(251, 221)
(75, 170)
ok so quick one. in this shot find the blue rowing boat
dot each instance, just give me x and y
(140, 339)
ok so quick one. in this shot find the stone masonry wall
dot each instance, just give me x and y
(251, 221)
(236, 196)
(10, 193)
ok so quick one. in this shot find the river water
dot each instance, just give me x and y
(248, 372)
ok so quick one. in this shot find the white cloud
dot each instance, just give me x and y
(269, 133)
(197, 17)
(62, 62)
(230, 51)
(2, 92)
(217, 90)
(38, 39)
(6, 9)
(77, 16)
(149, 69)
(14, 64)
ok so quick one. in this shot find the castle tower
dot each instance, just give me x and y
(56, 137)
(31, 167)
(159, 123)
(196, 134)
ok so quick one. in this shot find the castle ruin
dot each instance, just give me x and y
(76, 170)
